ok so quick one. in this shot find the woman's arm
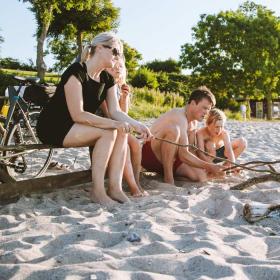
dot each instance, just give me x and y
(228, 148)
(124, 98)
(117, 114)
(74, 100)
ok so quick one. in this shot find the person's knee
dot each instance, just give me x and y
(109, 134)
(242, 143)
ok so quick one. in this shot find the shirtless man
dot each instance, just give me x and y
(179, 125)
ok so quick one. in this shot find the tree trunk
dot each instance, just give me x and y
(269, 106)
(41, 65)
(80, 42)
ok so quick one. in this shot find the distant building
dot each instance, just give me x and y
(259, 108)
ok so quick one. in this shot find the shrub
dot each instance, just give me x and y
(148, 103)
(144, 77)
(233, 115)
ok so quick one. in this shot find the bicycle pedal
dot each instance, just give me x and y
(20, 167)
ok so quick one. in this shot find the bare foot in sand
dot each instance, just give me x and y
(101, 198)
(118, 195)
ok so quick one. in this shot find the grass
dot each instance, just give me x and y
(49, 78)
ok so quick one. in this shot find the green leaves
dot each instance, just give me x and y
(236, 51)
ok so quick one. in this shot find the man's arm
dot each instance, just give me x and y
(187, 157)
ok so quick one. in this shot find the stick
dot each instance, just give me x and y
(243, 166)
(257, 180)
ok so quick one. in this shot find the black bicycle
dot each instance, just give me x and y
(18, 129)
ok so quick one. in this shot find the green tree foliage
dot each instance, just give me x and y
(236, 53)
(144, 77)
(169, 66)
(12, 63)
(44, 11)
(1, 40)
(132, 58)
(84, 21)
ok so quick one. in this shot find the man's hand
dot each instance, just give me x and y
(216, 169)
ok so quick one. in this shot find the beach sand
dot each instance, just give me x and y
(187, 231)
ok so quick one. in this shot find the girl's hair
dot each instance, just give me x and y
(122, 78)
(215, 115)
(106, 38)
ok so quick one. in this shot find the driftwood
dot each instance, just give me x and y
(256, 180)
(257, 211)
(10, 192)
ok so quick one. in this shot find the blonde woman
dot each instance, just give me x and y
(69, 119)
(215, 139)
(133, 158)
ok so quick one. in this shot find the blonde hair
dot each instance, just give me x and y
(215, 115)
(107, 38)
(122, 78)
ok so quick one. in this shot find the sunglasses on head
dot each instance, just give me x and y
(115, 51)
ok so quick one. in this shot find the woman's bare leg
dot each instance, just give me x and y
(129, 176)
(238, 146)
(116, 167)
(103, 141)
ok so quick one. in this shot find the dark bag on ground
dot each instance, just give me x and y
(39, 94)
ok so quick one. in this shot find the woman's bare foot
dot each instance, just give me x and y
(101, 198)
(136, 193)
(118, 195)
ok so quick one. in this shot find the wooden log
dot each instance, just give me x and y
(256, 180)
(10, 192)
(257, 211)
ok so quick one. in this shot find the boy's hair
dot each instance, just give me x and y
(202, 92)
(215, 115)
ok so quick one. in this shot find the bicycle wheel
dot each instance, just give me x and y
(29, 165)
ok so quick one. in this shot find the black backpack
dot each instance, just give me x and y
(38, 94)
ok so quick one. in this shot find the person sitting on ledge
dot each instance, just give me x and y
(69, 119)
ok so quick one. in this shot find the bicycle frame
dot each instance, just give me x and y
(15, 101)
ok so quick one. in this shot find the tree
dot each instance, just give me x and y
(144, 78)
(86, 22)
(44, 13)
(1, 40)
(237, 52)
(169, 66)
(132, 58)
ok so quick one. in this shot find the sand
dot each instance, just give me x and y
(187, 231)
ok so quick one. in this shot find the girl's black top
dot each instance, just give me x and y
(55, 120)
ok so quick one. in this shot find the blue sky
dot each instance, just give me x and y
(156, 28)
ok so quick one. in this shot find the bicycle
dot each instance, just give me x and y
(19, 129)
